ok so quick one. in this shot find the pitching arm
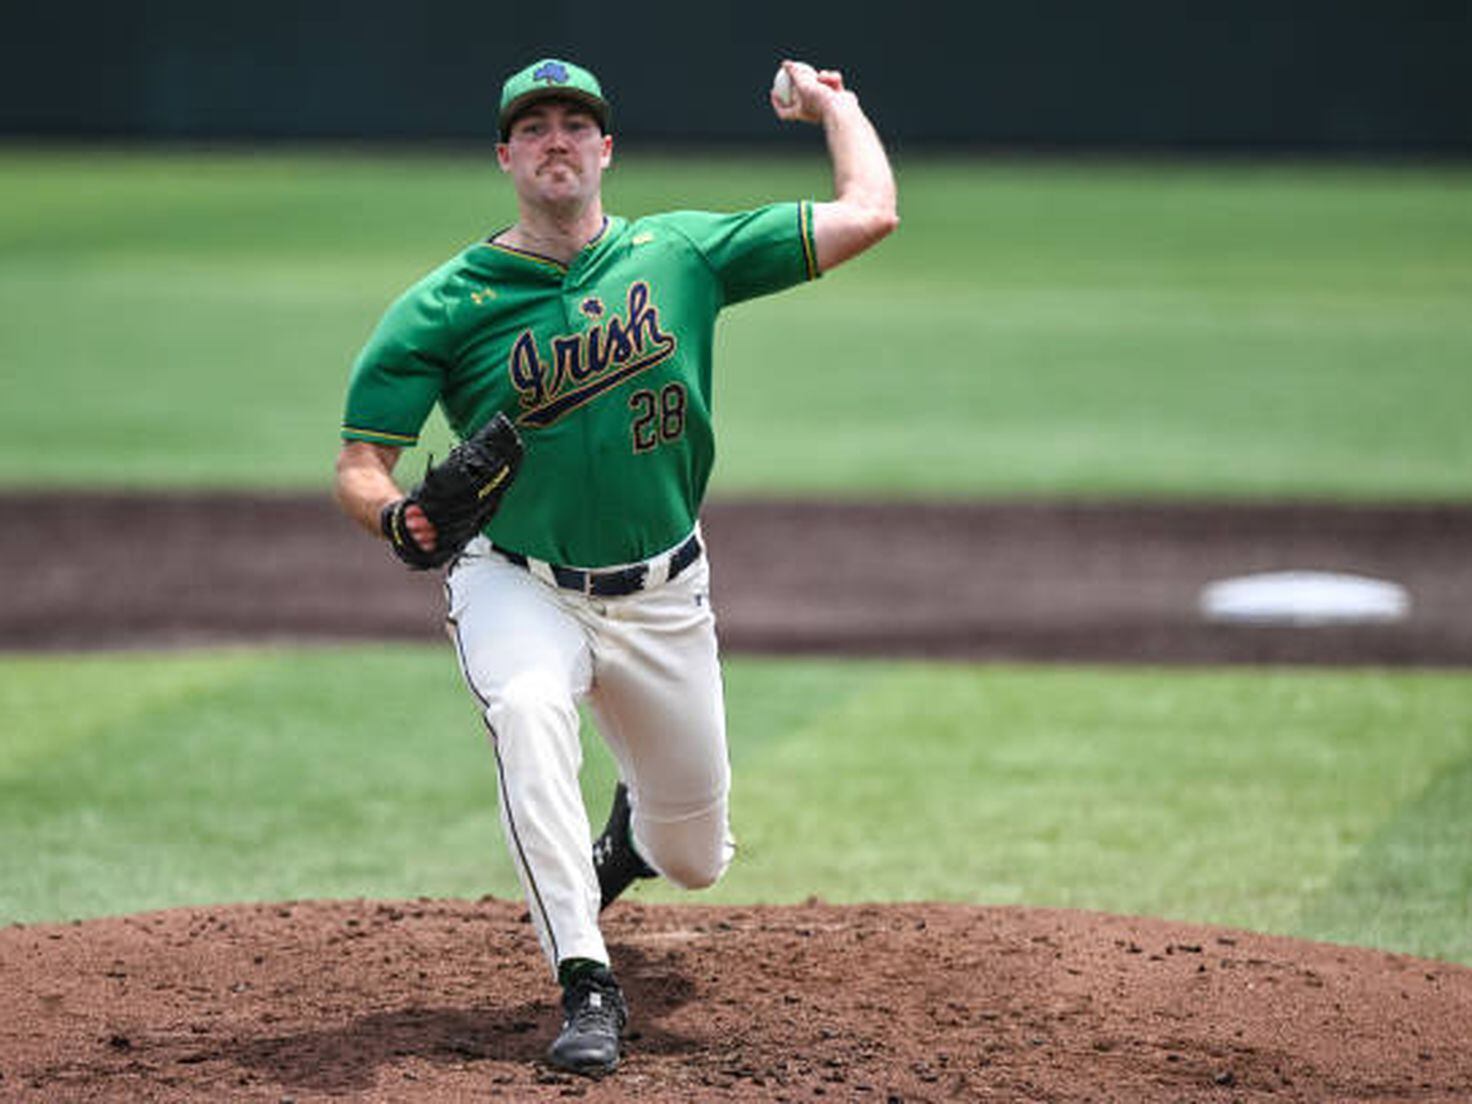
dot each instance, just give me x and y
(864, 207)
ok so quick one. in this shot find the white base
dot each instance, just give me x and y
(1304, 598)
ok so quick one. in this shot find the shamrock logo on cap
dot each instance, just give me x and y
(553, 72)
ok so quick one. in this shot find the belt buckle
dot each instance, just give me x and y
(569, 578)
(621, 583)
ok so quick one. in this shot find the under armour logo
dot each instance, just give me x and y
(553, 72)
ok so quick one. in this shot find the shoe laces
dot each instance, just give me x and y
(595, 1001)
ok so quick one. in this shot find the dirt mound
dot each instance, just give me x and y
(450, 1000)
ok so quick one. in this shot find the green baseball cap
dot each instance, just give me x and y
(549, 79)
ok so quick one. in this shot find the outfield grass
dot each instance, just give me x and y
(1034, 328)
(1319, 803)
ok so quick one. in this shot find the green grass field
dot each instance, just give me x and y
(1035, 329)
(1059, 329)
(1327, 804)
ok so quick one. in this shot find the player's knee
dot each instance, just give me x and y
(692, 863)
(697, 876)
(688, 873)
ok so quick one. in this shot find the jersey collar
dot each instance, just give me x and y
(541, 259)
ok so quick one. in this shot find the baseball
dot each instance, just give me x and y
(782, 88)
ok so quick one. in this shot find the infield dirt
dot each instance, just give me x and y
(450, 1000)
(1024, 581)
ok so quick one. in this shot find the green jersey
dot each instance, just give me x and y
(604, 365)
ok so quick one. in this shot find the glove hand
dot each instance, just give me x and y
(410, 534)
(456, 498)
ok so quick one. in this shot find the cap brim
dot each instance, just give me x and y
(598, 107)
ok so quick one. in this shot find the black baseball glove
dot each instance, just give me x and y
(458, 495)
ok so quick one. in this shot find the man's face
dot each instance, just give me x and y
(555, 155)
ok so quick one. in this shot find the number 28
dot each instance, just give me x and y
(658, 418)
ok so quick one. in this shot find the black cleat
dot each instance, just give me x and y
(614, 857)
(594, 1018)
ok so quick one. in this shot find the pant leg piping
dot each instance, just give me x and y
(505, 793)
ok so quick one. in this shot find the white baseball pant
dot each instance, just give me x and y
(648, 667)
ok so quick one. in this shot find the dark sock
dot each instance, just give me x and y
(570, 969)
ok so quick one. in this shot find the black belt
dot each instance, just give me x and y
(616, 583)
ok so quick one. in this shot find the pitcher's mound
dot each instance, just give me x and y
(450, 1000)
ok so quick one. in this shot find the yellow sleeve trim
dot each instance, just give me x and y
(377, 436)
(809, 242)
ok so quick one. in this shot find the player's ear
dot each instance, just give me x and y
(607, 158)
(503, 156)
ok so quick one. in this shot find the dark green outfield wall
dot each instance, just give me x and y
(1355, 76)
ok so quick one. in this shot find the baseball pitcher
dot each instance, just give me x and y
(571, 352)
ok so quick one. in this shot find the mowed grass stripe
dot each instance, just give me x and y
(1410, 885)
(1321, 803)
(1042, 328)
